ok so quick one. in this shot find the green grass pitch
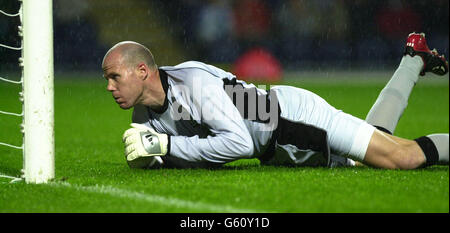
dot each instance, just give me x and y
(92, 175)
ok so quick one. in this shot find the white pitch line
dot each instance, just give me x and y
(13, 178)
(156, 199)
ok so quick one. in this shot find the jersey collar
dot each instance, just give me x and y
(165, 85)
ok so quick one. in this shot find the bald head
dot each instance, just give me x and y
(132, 76)
(131, 53)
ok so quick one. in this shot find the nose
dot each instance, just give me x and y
(110, 87)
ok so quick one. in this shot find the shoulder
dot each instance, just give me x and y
(197, 70)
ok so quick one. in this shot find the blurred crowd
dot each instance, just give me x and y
(296, 32)
(309, 32)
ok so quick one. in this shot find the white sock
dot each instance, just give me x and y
(393, 99)
(441, 143)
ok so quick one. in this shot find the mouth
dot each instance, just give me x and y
(117, 98)
(121, 102)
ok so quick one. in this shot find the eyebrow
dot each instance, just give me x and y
(111, 74)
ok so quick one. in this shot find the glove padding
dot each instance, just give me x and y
(143, 146)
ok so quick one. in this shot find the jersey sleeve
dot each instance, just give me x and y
(229, 139)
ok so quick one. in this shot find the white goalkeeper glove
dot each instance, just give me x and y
(143, 146)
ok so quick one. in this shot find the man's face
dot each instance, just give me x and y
(123, 81)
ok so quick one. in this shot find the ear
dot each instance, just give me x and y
(143, 71)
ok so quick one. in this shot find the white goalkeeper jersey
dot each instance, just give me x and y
(207, 123)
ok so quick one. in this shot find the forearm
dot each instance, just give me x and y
(215, 149)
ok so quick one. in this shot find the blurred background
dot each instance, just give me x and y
(286, 34)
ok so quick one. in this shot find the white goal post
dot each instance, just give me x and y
(38, 93)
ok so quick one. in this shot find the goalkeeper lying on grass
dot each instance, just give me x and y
(197, 115)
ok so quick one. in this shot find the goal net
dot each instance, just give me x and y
(37, 93)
